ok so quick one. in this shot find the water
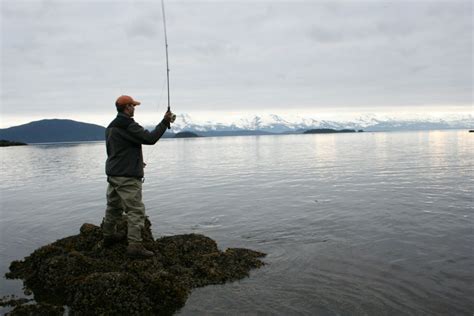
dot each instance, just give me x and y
(353, 224)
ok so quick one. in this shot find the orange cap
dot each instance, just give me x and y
(124, 100)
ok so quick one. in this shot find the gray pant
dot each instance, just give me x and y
(124, 194)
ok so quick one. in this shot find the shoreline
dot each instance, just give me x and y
(263, 135)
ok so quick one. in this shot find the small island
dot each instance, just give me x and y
(330, 131)
(186, 134)
(6, 143)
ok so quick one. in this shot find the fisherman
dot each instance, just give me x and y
(124, 169)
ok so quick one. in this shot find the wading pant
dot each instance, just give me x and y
(124, 194)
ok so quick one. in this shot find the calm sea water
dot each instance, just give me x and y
(353, 224)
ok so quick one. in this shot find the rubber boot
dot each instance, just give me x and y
(136, 250)
(111, 240)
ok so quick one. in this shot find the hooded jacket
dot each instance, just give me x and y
(124, 138)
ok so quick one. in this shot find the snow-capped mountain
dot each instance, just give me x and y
(271, 123)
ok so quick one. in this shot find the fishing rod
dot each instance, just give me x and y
(173, 116)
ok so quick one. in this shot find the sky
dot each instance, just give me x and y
(72, 59)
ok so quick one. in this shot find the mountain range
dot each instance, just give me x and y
(274, 124)
(61, 130)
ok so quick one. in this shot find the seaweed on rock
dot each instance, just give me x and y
(80, 273)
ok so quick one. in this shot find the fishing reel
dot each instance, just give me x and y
(173, 117)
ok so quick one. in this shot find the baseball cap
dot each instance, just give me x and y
(126, 99)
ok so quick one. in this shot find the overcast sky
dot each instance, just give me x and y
(72, 59)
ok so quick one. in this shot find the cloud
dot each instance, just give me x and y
(76, 57)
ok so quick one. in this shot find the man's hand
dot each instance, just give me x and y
(168, 116)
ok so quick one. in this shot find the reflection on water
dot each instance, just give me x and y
(353, 224)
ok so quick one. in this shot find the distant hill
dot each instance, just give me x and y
(234, 133)
(6, 143)
(219, 133)
(53, 130)
(328, 131)
(185, 135)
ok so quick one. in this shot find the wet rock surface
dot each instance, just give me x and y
(90, 279)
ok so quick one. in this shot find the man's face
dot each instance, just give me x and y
(130, 110)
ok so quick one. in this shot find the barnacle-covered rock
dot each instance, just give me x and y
(79, 272)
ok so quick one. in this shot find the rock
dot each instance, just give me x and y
(78, 272)
(37, 309)
(12, 301)
(87, 228)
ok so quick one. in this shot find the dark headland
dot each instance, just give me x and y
(54, 130)
(78, 272)
(330, 131)
(186, 134)
(6, 143)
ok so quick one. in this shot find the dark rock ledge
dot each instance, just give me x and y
(78, 272)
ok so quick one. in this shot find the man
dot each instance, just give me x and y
(124, 169)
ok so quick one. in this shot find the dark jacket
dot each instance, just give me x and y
(124, 138)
